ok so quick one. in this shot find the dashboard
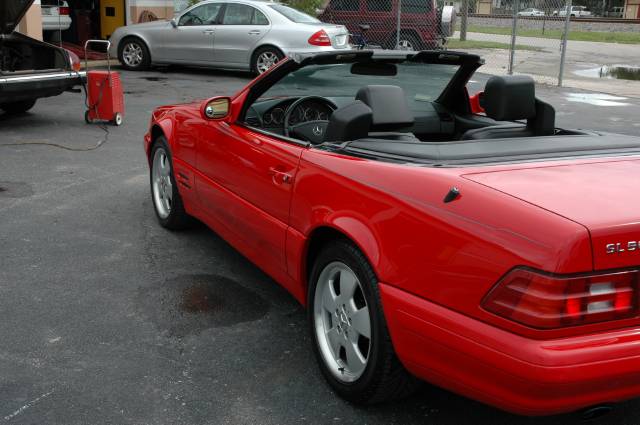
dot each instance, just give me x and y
(432, 121)
(270, 114)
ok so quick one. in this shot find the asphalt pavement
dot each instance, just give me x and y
(106, 318)
(584, 59)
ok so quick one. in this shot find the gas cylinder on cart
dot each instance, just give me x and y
(105, 98)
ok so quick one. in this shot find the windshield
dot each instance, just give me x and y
(293, 15)
(421, 82)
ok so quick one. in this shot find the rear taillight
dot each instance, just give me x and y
(63, 10)
(320, 38)
(545, 301)
(74, 61)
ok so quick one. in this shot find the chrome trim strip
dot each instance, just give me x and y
(56, 76)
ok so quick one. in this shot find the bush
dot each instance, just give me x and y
(307, 6)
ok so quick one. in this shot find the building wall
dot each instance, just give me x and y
(31, 23)
(631, 9)
(161, 9)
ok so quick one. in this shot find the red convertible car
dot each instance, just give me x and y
(492, 254)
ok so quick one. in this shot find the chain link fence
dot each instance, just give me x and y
(513, 36)
(519, 37)
(388, 24)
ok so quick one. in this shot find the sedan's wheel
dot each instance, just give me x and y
(134, 55)
(350, 335)
(265, 58)
(164, 191)
(18, 107)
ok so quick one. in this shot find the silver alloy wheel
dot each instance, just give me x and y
(342, 322)
(266, 60)
(132, 54)
(161, 183)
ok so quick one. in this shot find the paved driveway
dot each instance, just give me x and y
(106, 318)
(545, 63)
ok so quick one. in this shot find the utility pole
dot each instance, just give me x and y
(463, 20)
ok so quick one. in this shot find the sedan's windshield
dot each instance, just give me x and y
(421, 82)
(293, 15)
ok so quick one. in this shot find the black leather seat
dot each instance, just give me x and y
(348, 123)
(512, 98)
(392, 117)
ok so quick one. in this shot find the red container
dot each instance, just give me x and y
(104, 97)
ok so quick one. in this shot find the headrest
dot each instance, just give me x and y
(510, 98)
(348, 123)
(389, 106)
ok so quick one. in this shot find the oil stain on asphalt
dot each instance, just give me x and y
(15, 190)
(189, 304)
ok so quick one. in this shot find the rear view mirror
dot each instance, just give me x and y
(174, 22)
(379, 69)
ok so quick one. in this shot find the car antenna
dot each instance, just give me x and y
(452, 195)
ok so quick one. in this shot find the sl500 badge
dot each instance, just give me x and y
(616, 248)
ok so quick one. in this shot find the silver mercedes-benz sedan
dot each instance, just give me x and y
(230, 34)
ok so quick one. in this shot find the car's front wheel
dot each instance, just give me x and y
(134, 54)
(349, 331)
(167, 202)
(18, 107)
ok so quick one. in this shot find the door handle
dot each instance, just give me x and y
(254, 32)
(280, 177)
(208, 32)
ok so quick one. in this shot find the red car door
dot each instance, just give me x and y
(245, 184)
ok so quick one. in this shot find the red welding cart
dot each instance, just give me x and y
(105, 100)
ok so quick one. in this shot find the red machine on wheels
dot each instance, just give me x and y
(105, 100)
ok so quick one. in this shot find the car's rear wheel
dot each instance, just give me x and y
(264, 58)
(18, 107)
(167, 202)
(134, 54)
(349, 331)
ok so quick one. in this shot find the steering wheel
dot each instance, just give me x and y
(195, 20)
(311, 131)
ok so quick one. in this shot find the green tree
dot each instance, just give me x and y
(308, 6)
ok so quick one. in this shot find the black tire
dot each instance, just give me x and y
(384, 378)
(144, 63)
(177, 219)
(18, 107)
(264, 50)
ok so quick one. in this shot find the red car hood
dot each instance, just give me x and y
(601, 196)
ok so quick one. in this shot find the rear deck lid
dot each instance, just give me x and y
(601, 196)
(11, 12)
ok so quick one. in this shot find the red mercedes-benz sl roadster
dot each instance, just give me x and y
(489, 253)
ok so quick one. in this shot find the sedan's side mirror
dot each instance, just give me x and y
(217, 108)
(174, 22)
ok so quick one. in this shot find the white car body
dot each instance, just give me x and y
(577, 11)
(531, 12)
(52, 20)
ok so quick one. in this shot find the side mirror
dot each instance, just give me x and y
(174, 22)
(476, 103)
(217, 108)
